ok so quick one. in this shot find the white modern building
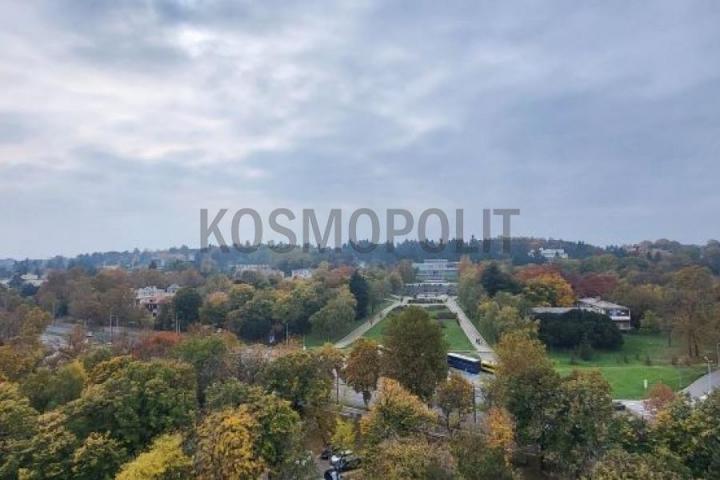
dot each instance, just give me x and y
(549, 253)
(438, 270)
(617, 313)
(302, 273)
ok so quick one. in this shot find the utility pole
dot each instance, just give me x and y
(474, 405)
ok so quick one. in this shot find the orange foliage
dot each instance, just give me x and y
(156, 345)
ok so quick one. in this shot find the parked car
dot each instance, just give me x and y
(338, 456)
(331, 474)
(348, 462)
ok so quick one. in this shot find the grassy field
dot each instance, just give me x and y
(313, 339)
(627, 369)
(454, 335)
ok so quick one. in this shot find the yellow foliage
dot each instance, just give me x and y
(226, 448)
(165, 459)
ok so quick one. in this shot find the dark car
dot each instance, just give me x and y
(349, 462)
(331, 474)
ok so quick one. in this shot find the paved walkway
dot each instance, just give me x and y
(700, 386)
(481, 346)
(366, 325)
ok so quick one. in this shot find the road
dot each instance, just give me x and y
(481, 345)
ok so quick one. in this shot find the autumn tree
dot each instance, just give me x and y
(130, 393)
(411, 458)
(344, 436)
(362, 370)
(226, 446)
(454, 397)
(477, 460)
(396, 413)
(98, 458)
(299, 377)
(549, 289)
(50, 450)
(500, 432)
(618, 464)
(526, 384)
(415, 351)
(18, 422)
(679, 426)
(693, 302)
(659, 396)
(163, 460)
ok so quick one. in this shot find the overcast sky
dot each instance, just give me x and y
(120, 120)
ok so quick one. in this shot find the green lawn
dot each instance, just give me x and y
(454, 335)
(626, 369)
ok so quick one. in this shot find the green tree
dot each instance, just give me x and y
(98, 458)
(50, 450)
(362, 370)
(581, 427)
(136, 401)
(186, 306)
(361, 291)
(415, 351)
(299, 377)
(47, 389)
(335, 316)
(495, 280)
(209, 356)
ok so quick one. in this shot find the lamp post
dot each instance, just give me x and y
(709, 390)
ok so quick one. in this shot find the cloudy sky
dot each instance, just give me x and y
(120, 120)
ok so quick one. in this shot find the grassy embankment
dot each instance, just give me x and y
(627, 368)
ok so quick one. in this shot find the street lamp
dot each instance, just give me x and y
(708, 376)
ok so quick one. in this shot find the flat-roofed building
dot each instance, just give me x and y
(437, 270)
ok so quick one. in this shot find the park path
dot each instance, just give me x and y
(366, 325)
(482, 347)
(701, 386)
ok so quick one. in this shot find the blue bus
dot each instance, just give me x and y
(463, 362)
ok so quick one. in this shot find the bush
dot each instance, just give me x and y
(568, 330)
(648, 362)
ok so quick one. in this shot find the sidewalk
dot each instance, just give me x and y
(365, 326)
(481, 346)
